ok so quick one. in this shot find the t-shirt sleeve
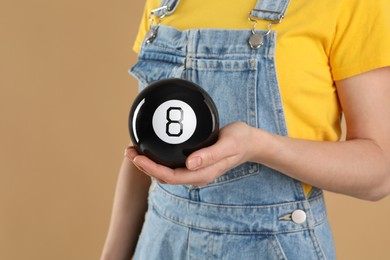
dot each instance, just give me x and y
(362, 38)
(143, 27)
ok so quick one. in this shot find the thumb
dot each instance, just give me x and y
(209, 155)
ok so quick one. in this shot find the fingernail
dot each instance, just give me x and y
(194, 163)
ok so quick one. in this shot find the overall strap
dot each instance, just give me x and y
(271, 10)
(166, 7)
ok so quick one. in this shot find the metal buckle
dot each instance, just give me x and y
(152, 33)
(256, 40)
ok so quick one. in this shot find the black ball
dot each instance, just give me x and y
(172, 118)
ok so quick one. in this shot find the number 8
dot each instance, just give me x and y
(170, 122)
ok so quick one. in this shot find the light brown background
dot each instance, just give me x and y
(64, 100)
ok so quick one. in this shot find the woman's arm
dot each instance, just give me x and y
(359, 166)
(130, 205)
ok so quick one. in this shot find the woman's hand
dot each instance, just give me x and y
(234, 147)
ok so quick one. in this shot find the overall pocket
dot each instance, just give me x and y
(232, 85)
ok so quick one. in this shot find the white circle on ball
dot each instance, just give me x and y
(174, 121)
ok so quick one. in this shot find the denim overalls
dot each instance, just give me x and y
(252, 211)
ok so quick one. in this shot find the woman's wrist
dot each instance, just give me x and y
(262, 145)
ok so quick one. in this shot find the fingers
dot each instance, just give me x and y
(175, 176)
(210, 155)
(202, 166)
(167, 175)
(130, 152)
(162, 173)
(199, 177)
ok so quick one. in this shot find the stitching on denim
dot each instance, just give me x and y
(236, 177)
(188, 243)
(215, 68)
(276, 97)
(201, 68)
(254, 64)
(245, 64)
(278, 247)
(248, 96)
(161, 61)
(192, 65)
(275, 76)
(227, 231)
(172, 51)
(227, 55)
(319, 251)
(211, 246)
(166, 194)
(235, 174)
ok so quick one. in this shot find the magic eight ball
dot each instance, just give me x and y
(172, 118)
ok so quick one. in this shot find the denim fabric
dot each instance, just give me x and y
(237, 216)
(182, 228)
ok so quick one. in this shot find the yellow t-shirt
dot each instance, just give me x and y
(318, 43)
